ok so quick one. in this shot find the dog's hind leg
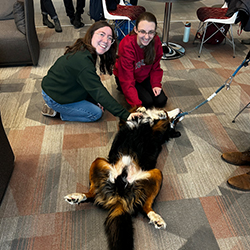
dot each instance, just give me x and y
(152, 189)
(98, 171)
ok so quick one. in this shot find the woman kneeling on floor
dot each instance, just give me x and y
(72, 86)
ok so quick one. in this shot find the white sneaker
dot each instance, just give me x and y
(47, 111)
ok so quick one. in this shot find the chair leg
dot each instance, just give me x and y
(202, 40)
(240, 112)
(198, 30)
(232, 37)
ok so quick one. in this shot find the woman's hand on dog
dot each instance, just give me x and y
(133, 115)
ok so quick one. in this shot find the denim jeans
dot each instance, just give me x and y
(83, 111)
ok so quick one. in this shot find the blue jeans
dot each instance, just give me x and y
(83, 111)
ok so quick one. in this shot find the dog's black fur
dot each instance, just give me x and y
(127, 181)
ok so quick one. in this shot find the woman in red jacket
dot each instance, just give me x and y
(137, 70)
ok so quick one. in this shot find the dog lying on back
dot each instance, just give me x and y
(127, 180)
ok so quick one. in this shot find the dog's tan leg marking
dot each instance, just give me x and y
(161, 126)
(152, 190)
(97, 166)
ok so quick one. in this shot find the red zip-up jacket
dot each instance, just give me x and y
(130, 67)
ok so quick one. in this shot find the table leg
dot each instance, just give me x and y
(170, 50)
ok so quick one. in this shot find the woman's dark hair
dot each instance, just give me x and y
(149, 50)
(107, 60)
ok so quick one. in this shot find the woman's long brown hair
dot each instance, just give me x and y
(149, 50)
(107, 60)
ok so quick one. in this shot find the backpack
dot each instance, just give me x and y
(218, 37)
(124, 27)
(95, 10)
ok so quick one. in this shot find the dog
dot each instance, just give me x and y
(127, 181)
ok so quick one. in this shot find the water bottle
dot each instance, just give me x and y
(186, 32)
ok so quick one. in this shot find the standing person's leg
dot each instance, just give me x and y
(50, 9)
(134, 2)
(70, 10)
(45, 13)
(83, 111)
(80, 5)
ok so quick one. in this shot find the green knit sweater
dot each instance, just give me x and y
(73, 78)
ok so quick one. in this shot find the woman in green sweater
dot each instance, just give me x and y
(72, 86)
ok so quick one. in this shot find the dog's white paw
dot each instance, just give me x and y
(156, 220)
(162, 114)
(173, 113)
(75, 198)
(141, 109)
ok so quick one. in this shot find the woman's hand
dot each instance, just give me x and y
(156, 91)
(133, 115)
(101, 107)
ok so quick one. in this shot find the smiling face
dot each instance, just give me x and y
(145, 32)
(102, 40)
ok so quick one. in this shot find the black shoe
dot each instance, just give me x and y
(46, 22)
(58, 27)
(247, 41)
(72, 19)
(77, 21)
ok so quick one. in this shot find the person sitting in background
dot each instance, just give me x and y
(240, 182)
(48, 8)
(137, 70)
(72, 86)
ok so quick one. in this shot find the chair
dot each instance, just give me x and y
(217, 17)
(19, 43)
(122, 14)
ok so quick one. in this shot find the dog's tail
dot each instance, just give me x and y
(119, 229)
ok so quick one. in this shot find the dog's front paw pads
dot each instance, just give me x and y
(75, 198)
(156, 220)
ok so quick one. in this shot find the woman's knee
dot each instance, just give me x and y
(161, 100)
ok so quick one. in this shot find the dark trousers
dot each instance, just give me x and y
(47, 7)
(146, 94)
(134, 2)
(69, 7)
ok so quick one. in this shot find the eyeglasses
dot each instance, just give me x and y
(144, 32)
(109, 38)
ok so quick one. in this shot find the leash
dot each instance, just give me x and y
(226, 84)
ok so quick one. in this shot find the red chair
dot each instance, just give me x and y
(121, 14)
(216, 17)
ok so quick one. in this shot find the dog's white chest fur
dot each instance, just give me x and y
(133, 171)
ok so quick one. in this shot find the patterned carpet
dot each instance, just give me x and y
(53, 157)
